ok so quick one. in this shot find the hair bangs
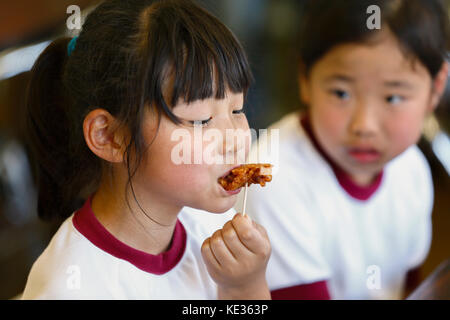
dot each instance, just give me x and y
(194, 57)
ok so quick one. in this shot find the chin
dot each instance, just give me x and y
(222, 208)
(219, 206)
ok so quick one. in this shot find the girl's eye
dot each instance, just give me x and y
(202, 123)
(394, 99)
(341, 94)
(240, 111)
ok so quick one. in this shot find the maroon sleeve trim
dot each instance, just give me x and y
(312, 291)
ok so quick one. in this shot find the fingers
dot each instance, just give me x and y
(262, 231)
(232, 241)
(236, 256)
(238, 240)
(208, 255)
(214, 248)
(220, 250)
(251, 235)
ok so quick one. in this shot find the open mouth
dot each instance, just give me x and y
(220, 179)
(232, 192)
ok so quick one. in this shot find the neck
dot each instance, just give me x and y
(363, 180)
(143, 223)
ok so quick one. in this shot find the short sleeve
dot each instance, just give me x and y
(49, 280)
(421, 224)
(421, 242)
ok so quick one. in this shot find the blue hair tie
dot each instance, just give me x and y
(71, 45)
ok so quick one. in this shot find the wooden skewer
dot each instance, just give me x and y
(245, 199)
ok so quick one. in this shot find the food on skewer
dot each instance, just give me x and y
(248, 173)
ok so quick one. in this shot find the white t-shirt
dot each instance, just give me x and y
(85, 261)
(321, 231)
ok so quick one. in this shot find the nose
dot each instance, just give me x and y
(234, 143)
(363, 123)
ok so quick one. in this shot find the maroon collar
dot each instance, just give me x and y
(87, 224)
(356, 191)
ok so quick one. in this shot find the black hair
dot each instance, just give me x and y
(420, 26)
(122, 60)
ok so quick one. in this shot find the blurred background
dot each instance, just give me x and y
(267, 30)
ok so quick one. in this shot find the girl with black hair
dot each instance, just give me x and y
(102, 110)
(349, 210)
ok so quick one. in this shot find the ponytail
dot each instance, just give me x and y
(49, 132)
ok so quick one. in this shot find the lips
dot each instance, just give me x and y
(229, 192)
(364, 154)
(233, 192)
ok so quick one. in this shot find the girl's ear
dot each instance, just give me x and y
(103, 137)
(439, 85)
(304, 89)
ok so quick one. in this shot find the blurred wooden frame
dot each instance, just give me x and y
(443, 110)
(25, 21)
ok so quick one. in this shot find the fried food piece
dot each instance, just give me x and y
(248, 173)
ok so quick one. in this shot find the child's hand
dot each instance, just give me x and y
(236, 257)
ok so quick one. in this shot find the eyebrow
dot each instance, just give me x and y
(339, 77)
(398, 84)
(390, 83)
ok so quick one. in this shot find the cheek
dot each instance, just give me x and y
(190, 178)
(403, 131)
(403, 127)
(163, 173)
(329, 123)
